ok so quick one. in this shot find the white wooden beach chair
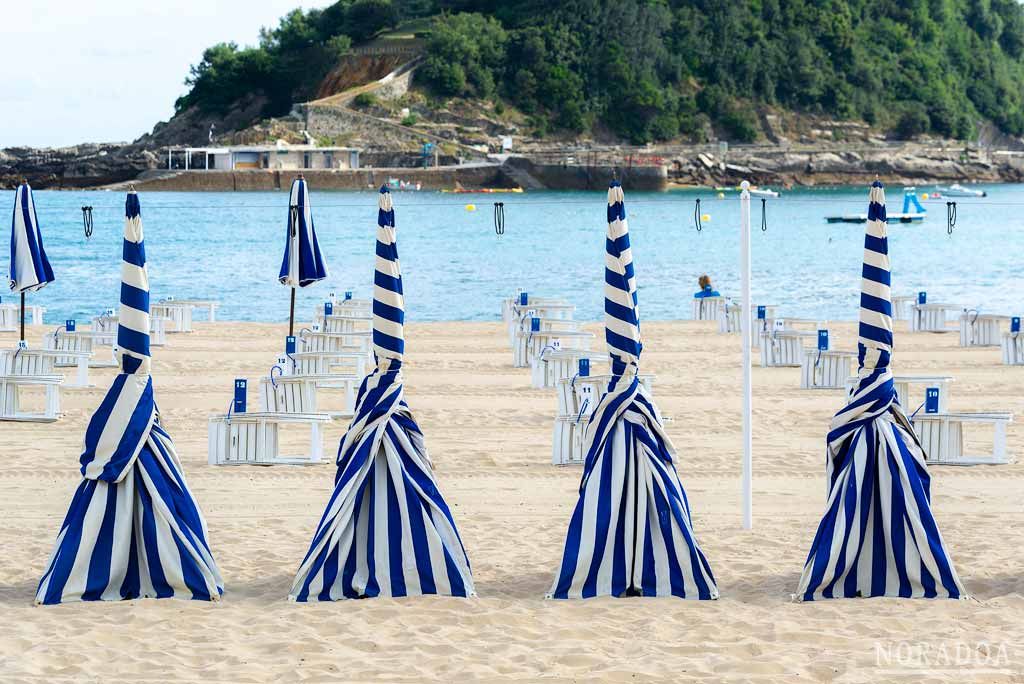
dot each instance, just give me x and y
(577, 398)
(106, 326)
(551, 365)
(209, 305)
(943, 440)
(911, 390)
(254, 438)
(177, 315)
(72, 349)
(346, 322)
(932, 317)
(783, 348)
(529, 344)
(321, 340)
(8, 318)
(1013, 348)
(547, 308)
(825, 369)
(709, 308)
(28, 369)
(980, 330)
(340, 370)
(902, 306)
(729, 319)
(12, 312)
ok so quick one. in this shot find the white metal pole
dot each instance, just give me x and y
(745, 323)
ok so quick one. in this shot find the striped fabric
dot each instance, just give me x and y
(878, 536)
(30, 269)
(133, 529)
(630, 533)
(386, 531)
(302, 264)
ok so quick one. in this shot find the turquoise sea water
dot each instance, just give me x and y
(228, 246)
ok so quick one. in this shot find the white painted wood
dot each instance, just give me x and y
(932, 317)
(783, 347)
(902, 306)
(980, 330)
(1013, 349)
(254, 438)
(708, 308)
(547, 368)
(826, 369)
(942, 437)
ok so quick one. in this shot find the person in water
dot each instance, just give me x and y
(706, 290)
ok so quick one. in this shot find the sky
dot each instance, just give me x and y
(107, 70)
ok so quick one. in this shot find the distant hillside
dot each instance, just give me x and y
(655, 70)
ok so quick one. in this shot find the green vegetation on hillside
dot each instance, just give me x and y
(657, 69)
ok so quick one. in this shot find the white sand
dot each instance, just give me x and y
(489, 435)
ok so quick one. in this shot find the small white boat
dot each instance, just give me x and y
(957, 190)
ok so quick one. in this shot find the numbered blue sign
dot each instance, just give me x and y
(931, 400)
(823, 340)
(584, 367)
(348, 295)
(328, 309)
(762, 313)
(240, 390)
(523, 298)
(289, 344)
(922, 297)
(1015, 324)
(535, 324)
(69, 325)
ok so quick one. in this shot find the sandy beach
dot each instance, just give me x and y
(489, 435)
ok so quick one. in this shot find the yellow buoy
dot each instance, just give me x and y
(721, 195)
(705, 218)
(470, 207)
(924, 195)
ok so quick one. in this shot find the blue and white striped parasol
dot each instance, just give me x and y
(302, 264)
(878, 536)
(387, 531)
(133, 529)
(630, 533)
(30, 269)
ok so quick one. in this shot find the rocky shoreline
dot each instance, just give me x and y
(97, 165)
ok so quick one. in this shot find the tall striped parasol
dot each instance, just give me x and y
(386, 531)
(302, 264)
(878, 536)
(133, 529)
(630, 533)
(30, 269)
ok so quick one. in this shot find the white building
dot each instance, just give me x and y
(279, 157)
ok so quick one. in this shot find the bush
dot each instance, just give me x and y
(410, 120)
(912, 122)
(465, 55)
(364, 100)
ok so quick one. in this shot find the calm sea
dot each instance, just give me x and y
(228, 246)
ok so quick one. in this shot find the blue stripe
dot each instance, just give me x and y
(875, 274)
(134, 297)
(387, 282)
(872, 303)
(134, 253)
(388, 312)
(133, 341)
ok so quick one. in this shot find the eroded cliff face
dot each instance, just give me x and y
(192, 126)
